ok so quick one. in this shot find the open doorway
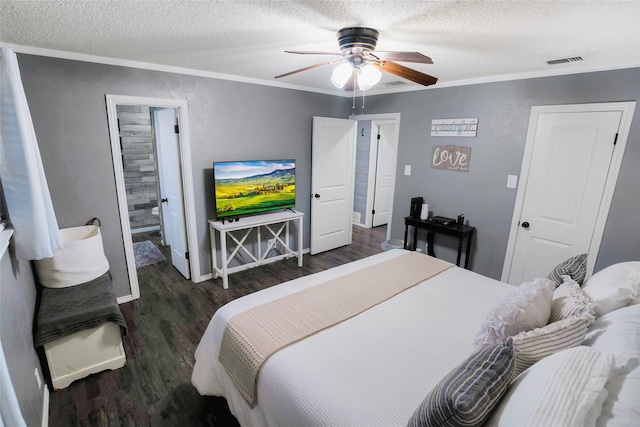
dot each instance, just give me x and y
(376, 166)
(152, 167)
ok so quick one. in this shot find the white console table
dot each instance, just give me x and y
(277, 226)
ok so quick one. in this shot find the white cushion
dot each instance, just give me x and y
(614, 287)
(525, 308)
(533, 346)
(564, 389)
(617, 332)
(621, 408)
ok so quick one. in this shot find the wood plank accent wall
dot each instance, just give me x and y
(139, 162)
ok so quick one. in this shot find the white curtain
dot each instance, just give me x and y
(29, 204)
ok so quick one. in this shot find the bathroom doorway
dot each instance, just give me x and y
(151, 166)
(150, 147)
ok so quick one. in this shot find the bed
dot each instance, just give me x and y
(382, 365)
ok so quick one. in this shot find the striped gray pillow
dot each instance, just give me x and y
(532, 346)
(468, 394)
(575, 267)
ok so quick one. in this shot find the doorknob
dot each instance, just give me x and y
(525, 224)
(317, 196)
(165, 200)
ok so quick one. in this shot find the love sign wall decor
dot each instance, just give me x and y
(451, 157)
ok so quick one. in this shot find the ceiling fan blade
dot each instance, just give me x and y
(304, 52)
(402, 56)
(308, 68)
(406, 73)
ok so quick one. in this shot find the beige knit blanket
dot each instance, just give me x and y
(252, 336)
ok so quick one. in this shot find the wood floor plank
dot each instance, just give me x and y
(165, 327)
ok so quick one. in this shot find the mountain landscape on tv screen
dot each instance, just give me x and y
(256, 193)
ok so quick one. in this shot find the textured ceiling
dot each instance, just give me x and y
(468, 40)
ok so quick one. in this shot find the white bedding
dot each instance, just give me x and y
(410, 341)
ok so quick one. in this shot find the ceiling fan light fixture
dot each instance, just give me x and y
(368, 76)
(341, 75)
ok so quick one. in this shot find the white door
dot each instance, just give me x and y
(332, 175)
(172, 206)
(385, 173)
(562, 196)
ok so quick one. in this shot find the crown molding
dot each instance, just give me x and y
(556, 70)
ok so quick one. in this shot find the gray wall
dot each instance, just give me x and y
(228, 121)
(503, 110)
(17, 306)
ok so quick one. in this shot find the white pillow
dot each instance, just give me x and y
(614, 287)
(564, 389)
(533, 346)
(569, 300)
(525, 308)
(617, 332)
(621, 408)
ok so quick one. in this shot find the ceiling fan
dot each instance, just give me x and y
(360, 64)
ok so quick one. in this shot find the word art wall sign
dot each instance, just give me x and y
(454, 127)
(451, 157)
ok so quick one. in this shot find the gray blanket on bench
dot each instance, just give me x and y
(65, 311)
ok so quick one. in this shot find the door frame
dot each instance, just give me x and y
(181, 106)
(627, 109)
(386, 117)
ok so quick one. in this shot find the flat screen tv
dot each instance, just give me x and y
(252, 187)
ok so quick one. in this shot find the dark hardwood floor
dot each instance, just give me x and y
(165, 326)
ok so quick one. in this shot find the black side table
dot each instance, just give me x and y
(460, 232)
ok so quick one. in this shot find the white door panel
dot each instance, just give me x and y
(332, 170)
(570, 163)
(385, 174)
(174, 226)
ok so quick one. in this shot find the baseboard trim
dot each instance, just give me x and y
(203, 278)
(126, 298)
(145, 229)
(45, 407)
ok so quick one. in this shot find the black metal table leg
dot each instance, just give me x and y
(430, 236)
(466, 257)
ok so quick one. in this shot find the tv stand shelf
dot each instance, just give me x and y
(275, 224)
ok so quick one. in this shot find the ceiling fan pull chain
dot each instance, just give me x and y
(353, 104)
(364, 93)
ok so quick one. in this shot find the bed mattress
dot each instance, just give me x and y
(387, 358)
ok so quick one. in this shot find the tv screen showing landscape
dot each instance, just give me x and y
(251, 187)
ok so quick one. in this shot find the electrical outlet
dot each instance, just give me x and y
(38, 379)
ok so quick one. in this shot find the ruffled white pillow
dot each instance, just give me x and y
(525, 308)
(569, 300)
(614, 287)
